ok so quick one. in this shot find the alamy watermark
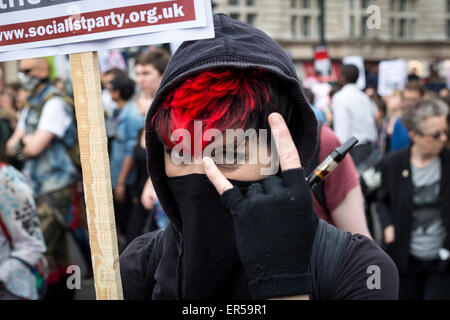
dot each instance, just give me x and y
(74, 280)
(374, 19)
(374, 280)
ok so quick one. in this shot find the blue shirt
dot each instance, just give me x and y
(125, 137)
(320, 115)
(400, 137)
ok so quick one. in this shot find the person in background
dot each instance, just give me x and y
(446, 99)
(412, 92)
(381, 118)
(149, 67)
(21, 241)
(126, 124)
(339, 199)
(12, 88)
(320, 115)
(21, 100)
(8, 111)
(413, 203)
(341, 192)
(443, 93)
(413, 75)
(354, 114)
(394, 111)
(430, 94)
(60, 84)
(151, 202)
(44, 132)
(335, 87)
(109, 105)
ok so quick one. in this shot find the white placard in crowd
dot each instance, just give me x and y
(68, 26)
(358, 62)
(392, 75)
(448, 77)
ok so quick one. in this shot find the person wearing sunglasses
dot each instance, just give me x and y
(414, 206)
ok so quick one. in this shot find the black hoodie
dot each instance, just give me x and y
(237, 45)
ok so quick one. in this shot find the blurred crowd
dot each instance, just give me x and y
(41, 189)
(394, 183)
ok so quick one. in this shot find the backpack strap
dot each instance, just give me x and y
(153, 260)
(72, 150)
(68, 100)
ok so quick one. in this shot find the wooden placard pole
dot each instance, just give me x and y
(96, 175)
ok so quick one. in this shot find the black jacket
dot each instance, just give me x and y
(395, 201)
(340, 261)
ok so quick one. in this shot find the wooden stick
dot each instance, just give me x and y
(96, 175)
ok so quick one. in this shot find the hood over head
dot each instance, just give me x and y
(235, 45)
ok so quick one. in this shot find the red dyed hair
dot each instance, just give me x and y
(221, 99)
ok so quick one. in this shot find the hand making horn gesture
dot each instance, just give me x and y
(275, 224)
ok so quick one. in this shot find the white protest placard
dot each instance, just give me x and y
(448, 76)
(358, 62)
(392, 76)
(69, 26)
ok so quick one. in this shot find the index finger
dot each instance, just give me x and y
(287, 151)
(215, 176)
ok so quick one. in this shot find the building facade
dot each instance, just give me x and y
(417, 30)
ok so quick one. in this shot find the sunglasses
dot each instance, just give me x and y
(436, 135)
(26, 71)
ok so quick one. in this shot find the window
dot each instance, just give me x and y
(364, 4)
(306, 4)
(391, 5)
(412, 28)
(392, 27)
(250, 3)
(306, 26)
(294, 26)
(448, 29)
(402, 5)
(319, 26)
(448, 6)
(293, 3)
(364, 26)
(352, 27)
(351, 4)
(235, 16)
(233, 2)
(402, 28)
(251, 19)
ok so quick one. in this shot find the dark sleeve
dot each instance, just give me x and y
(383, 200)
(366, 273)
(133, 266)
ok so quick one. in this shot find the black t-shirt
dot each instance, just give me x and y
(366, 272)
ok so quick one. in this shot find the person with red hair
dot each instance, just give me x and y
(229, 136)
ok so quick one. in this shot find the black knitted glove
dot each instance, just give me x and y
(275, 227)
